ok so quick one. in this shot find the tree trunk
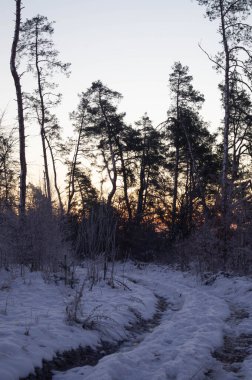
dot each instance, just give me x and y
(187, 194)
(125, 184)
(113, 179)
(175, 193)
(112, 155)
(48, 185)
(190, 216)
(16, 77)
(139, 211)
(71, 186)
(42, 121)
(55, 175)
(195, 172)
(226, 118)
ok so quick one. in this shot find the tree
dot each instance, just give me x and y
(105, 125)
(150, 158)
(199, 169)
(37, 45)
(126, 145)
(78, 146)
(88, 196)
(53, 140)
(102, 126)
(19, 94)
(8, 177)
(185, 98)
(234, 60)
(240, 131)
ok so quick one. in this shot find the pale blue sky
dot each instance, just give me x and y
(129, 44)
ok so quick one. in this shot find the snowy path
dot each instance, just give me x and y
(236, 347)
(183, 346)
(204, 333)
(83, 356)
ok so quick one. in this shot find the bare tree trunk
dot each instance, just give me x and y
(112, 154)
(225, 188)
(71, 186)
(195, 172)
(187, 194)
(6, 185)
(113, 190)
(125, 184)
(226, 118)
(113, 178)
(176, 174)
(190, 199)
(146, 188)
(55, 175)
(48, 185)
(19, 94)
(140, 200)
(42, 121)
(175, 193)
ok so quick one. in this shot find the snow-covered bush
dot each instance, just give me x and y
(34, 241)
(74, 312)
(97, 239)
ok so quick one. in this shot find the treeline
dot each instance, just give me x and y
(176, 191)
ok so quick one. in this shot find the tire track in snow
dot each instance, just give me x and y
(236, 348)
(83, 356)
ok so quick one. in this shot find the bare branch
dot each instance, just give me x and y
(210, 58)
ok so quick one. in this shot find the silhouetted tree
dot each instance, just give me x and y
(184, 97)
(234, 57)
(77, 147)
(8, 176)
(150, 158)
(20, 98)
(240, 131)
(37, 45)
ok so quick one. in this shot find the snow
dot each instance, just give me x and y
(33, 323)
(33, 319)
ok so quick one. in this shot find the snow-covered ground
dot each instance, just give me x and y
(33, 324)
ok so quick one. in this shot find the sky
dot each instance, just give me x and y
(130, 45)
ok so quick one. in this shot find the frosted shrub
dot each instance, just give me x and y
(97, 240)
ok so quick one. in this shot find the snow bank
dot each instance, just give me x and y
(33, 323)
(33, 319)
(180, 347)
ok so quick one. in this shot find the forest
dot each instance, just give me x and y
(173, 191)
(132, 258)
